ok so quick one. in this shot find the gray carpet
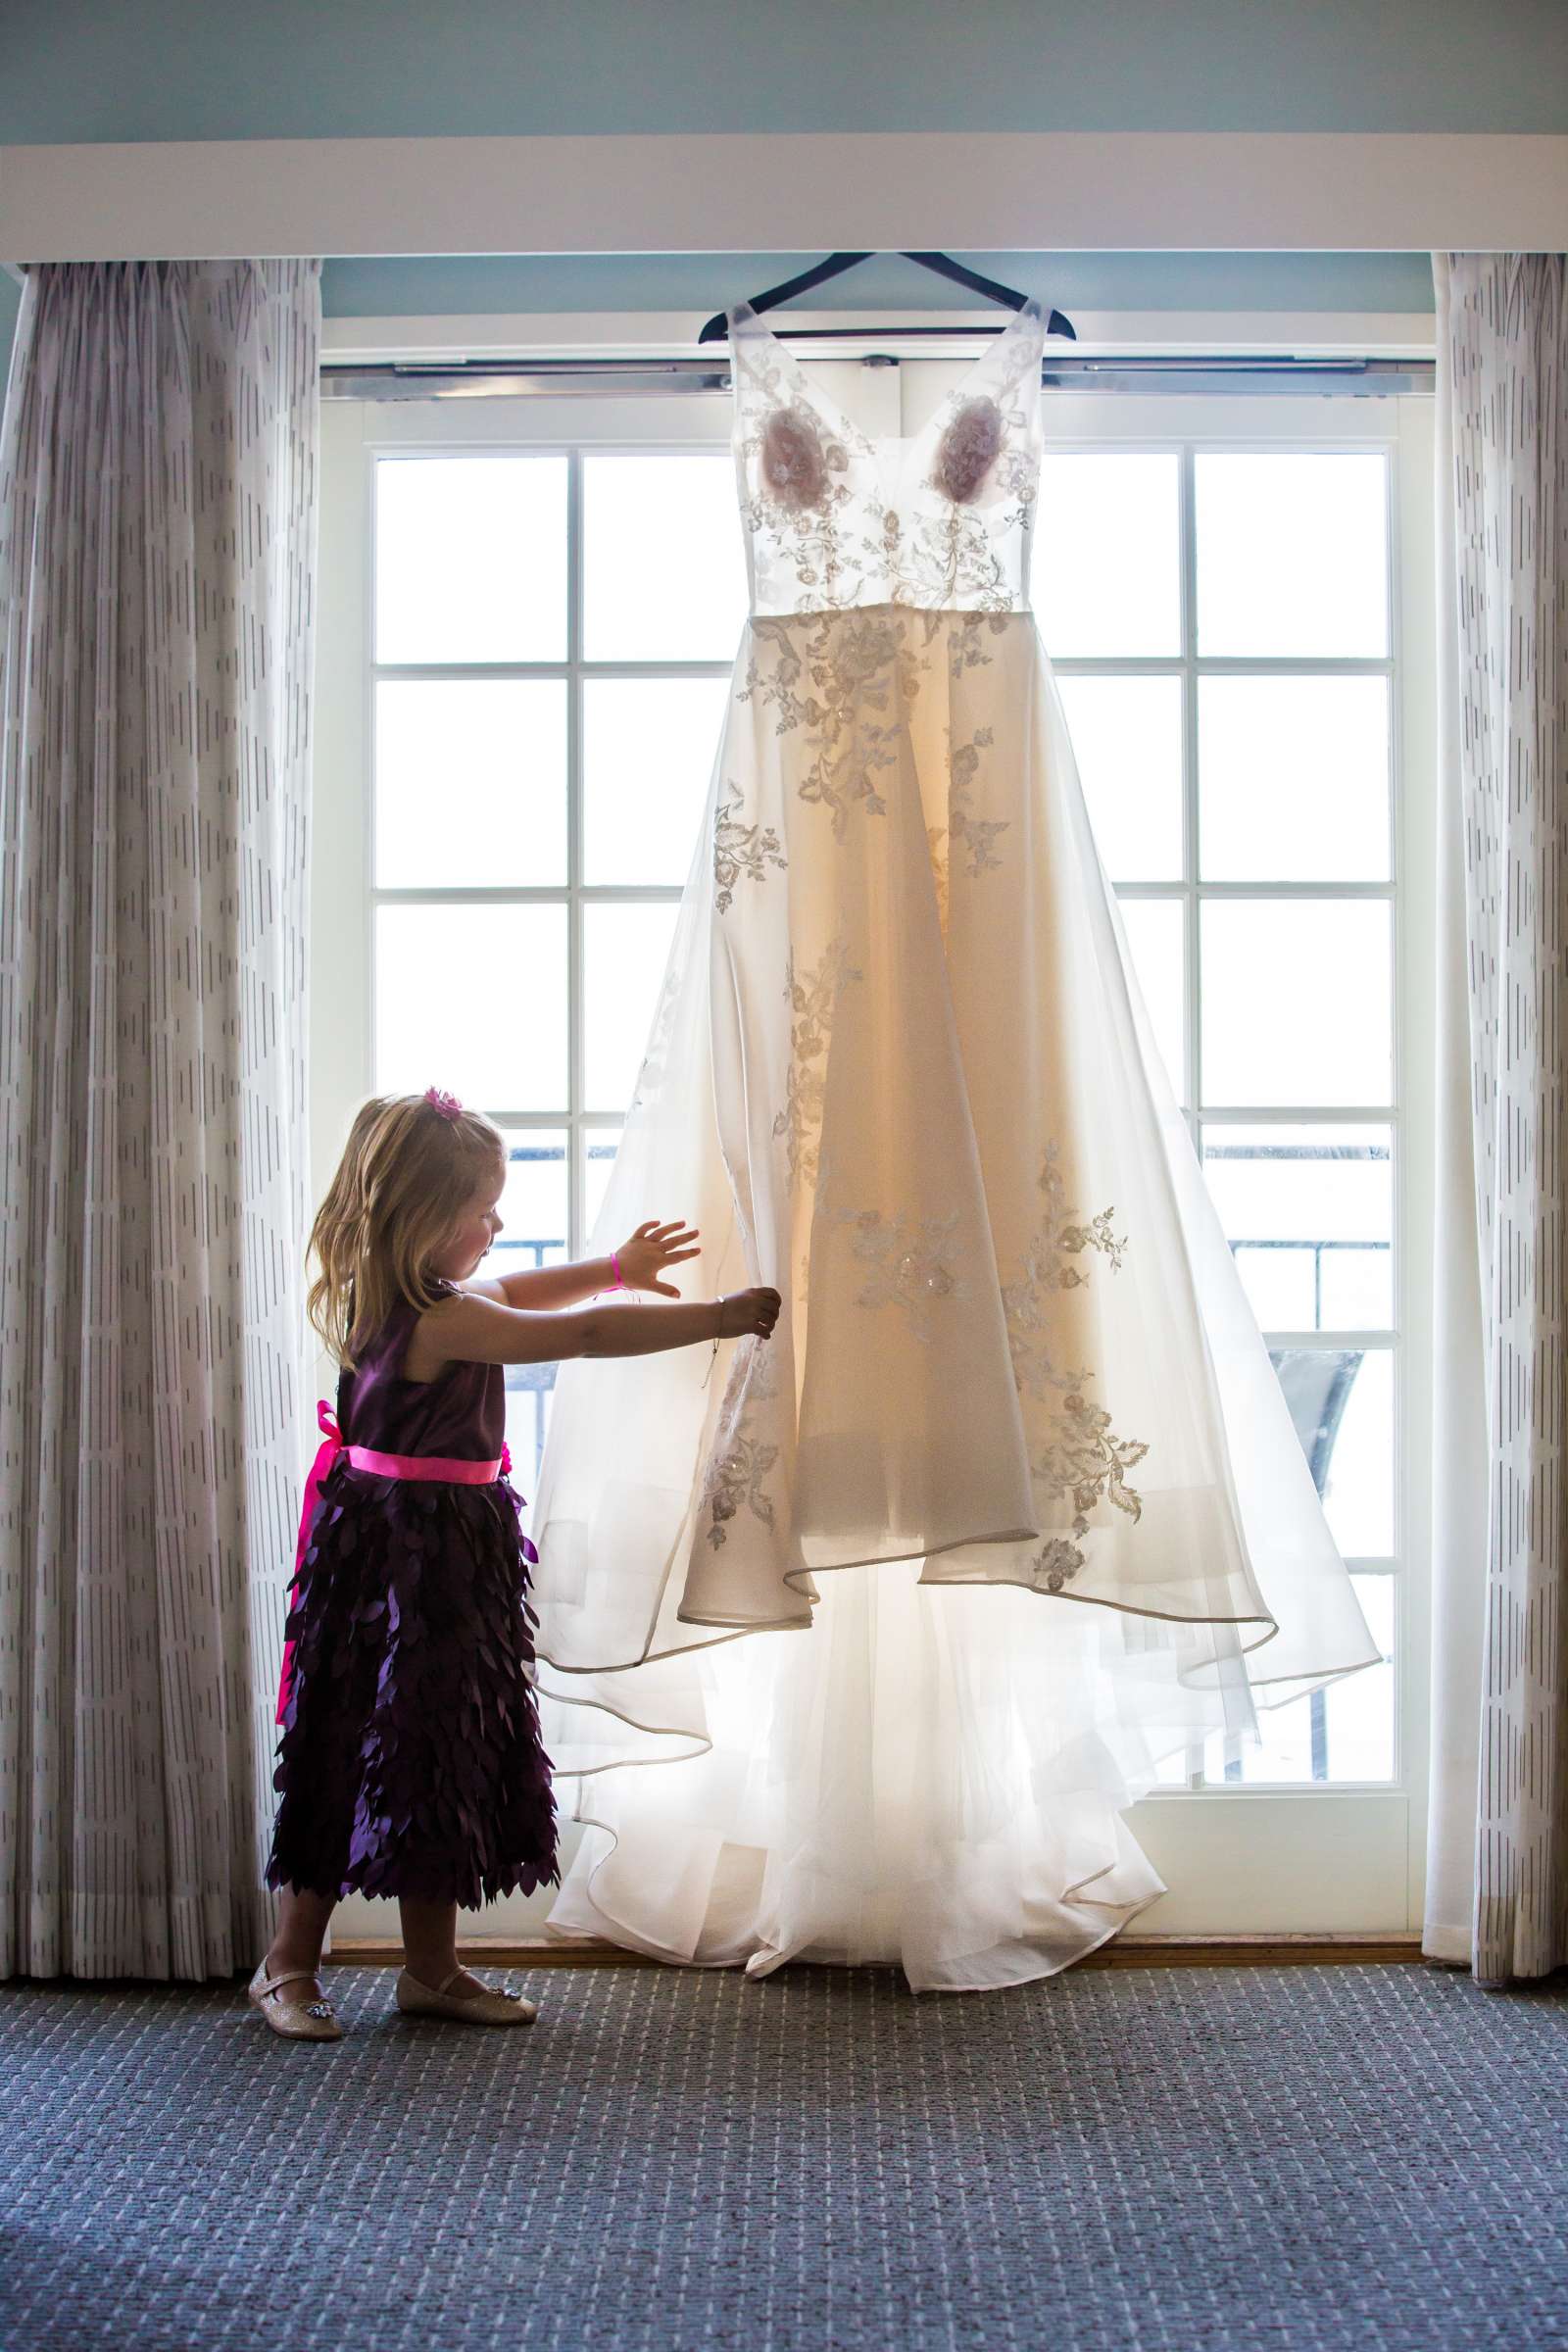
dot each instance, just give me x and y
(1279, 2160)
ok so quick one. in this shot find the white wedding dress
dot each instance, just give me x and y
(863, 1638)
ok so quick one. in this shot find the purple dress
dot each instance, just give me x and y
(410, 1762)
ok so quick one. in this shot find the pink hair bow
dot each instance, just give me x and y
(447, 1105)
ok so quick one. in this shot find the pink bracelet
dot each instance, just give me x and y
(615, 1260)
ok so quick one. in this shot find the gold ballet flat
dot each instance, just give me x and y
(487, 2008)
(293, 2021)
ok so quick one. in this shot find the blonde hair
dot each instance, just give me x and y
(408, 1172)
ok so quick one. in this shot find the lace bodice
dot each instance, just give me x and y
(835, 517)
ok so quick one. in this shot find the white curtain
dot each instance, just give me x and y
(1498, 1845)
(158, 509)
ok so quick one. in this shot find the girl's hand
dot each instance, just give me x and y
(652, 1248)
(748, 1314)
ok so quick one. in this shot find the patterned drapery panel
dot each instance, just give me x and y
(158, 516)
(1505, 352)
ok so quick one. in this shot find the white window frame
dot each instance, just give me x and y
(1314, 1858)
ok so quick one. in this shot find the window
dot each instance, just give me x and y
(545, 650)
(553, 632)
(1219, 617)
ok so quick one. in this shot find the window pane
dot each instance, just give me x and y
(649, 746)
(600, 1144)
(625, 949)
(1107, 564)
(1342, 1405)
(1344, 1732)
(528, 1390)
(664, 574)
(1309, 1212)
(1360, 1710)
(1154, 928)
(1293, 779)
(1348, 1726)
(470, 559)
(471, 782)
(1283, 1753)
(1127, 741)
(1292, 554)
(473, 998)
(533, 1206)
(1359, 1490)
(533, 1211)
(1295, 1001)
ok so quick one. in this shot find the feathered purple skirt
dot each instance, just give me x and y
(409, 1761)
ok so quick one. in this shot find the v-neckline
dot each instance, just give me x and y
(874, 441)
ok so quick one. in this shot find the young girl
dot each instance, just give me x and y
(410, 1762)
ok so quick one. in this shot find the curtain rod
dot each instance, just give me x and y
(1163, 371)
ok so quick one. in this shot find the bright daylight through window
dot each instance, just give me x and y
(551, 636)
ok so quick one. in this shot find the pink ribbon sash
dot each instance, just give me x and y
(439, 1468)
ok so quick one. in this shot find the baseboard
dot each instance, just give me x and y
(1124, 1951)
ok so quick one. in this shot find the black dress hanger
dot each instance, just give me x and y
(716, 329)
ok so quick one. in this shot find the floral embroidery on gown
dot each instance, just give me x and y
(856, 1646)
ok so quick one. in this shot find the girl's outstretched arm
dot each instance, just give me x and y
(547, 1289)
(645, 1259)
(471, 1329)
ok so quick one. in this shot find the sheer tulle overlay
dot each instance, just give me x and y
(1011, 1506)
